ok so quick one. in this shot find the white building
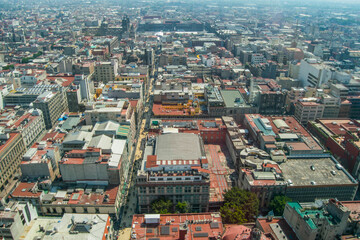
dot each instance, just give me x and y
(314, 73)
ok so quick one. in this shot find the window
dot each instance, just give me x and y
(178, 189)
(196, 189)
(169, 189)
(151, 189)
(187, 189)
(142, 190)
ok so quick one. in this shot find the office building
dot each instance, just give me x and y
(174, 167)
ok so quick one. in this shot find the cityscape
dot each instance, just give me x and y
(179, 120)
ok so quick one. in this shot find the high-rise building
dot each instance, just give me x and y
(105, 72)
(53, 104)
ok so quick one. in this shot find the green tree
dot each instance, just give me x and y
(182, 207)
(278, 204)
(7, 67)
(162, 206)
(240, 206)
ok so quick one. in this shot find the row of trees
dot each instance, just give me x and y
(240, 206)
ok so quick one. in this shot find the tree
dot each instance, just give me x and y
(182, 207)
(162, 206)
(240, 206)
(7, 67)
(278, 204)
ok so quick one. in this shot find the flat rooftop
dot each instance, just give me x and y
(232, 98)
(168, 226)
(89, 226)
(178, 146)
(304, 171)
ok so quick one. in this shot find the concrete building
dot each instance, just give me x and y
(308, 223)
(81, 198)
(292, 97)
(270, 132)
(15, 218)
(105, 72)
(313, 73)
(331, 106)
(41, 162)
(271, 102)
(235, 140)
(12, 148)
(257, 58)
(85, 85)
(340, 137)
(52, 104)
(73, 96)
(100, 165)
(339, 90)
(174, 167)
(177, 226)
(288, 83)
(71, 226)
(308, 111)
(31, 125)
(24, 97)
(104, 111)
(301, 179)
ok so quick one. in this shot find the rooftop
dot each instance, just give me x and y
(178, 146)
(168, 226)
(315, 171)
(232, 98)
(88, 226)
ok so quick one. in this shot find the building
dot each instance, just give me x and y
(235, 140)
(235, 105)
(73, 96)
(313, 73)
(301, 179)
(12, 148)
(71, 226)
(331, 106)
(174, 167)
(292, 97)
(310, 223)
(105, 72)
(308, 111)
(52, 104)
(31, 125)
(106, 110)
(271, 102)
(177, 226)
(272, 132)
(15, 218)
(41, 162)
(341, 138)
(94, 164)
(24, 97)
(275, 228)
(60, 198)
